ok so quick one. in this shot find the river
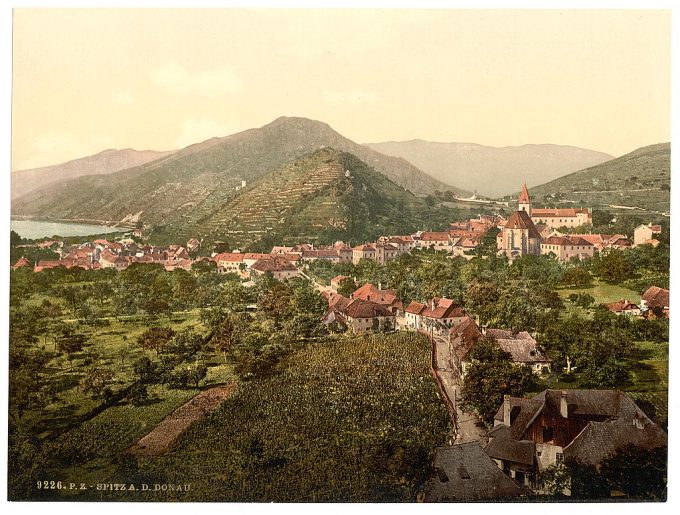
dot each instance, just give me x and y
(33, 229)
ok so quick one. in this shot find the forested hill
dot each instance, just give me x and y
(322, 197)
(638, 179)
(197, 180)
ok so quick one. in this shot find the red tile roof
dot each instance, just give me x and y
(521, 220)
(656, 297)
(276, 264)
(621, 306)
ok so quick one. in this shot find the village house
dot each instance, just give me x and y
(436, 241)
(565, 248)
(138, 232)
(359, 315)
(623, 307)
(330, 255)
(387, 298)
(279, 267)
(436, 316)
(21, 262)
(656, 299)
(360, 252)
(644, 235)
(522, 347)
(46, 264)
(108, 259)
(193, 245)
(465, 473)
(602, 242)
(385, 252)
(530, 435)
(553, 217)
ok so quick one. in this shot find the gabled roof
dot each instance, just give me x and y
(370, 292)
(434, 236)
(463, 336)
(656, 297)
(465, 473)
(504, 447)
(441, 308)
(358, 308)
(522, 220)
(621, 306)
(558, 212)
(233, 257)
(564, 241)
(521, 346)
(415, 308)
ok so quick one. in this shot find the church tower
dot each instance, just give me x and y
(524, 202)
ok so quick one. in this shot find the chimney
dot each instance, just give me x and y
(564, 407)
(380, 286)
(639, 421)
(432, 304)
(506, 410)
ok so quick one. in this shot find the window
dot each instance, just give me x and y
(538, 453)
(548, 434)
(559, 457)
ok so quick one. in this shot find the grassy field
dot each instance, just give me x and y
(602, 292)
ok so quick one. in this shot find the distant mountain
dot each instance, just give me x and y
(491, 171)
(191, 184)
(322, 197)
(639, 179)
(105, 162)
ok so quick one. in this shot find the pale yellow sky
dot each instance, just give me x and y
(86, 80)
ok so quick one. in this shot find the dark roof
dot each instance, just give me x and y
(275, 264)
(504, 447)
(359, 308)
(601, 439)
(522, 220)
(521, 346)
(463, 336)
(655, 296)
(613, 421)
(465, 473)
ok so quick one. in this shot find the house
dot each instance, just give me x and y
(435, 240)
(519, 236)
(465, 473)
(108, 259)
(21, 262)
(330, 255)
(530, 435)
(231, 263)
(386, 252)
(553, 217)
(363, 252)
(522, 347)
(644, 235)
(437, 315)
(138, 233)
(655, 299)
(46, 265)
(623, 307)
(193, 245)
(605, 241)
(565, 248)
(359, 315)
(387, 298)
(279, 267)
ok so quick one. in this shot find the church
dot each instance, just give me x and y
(521, 236)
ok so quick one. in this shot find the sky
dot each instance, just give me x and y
(87, 80)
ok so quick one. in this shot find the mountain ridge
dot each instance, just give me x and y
(492, 171)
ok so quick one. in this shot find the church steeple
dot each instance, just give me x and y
(524, 201)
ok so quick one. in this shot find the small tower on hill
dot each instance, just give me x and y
(524, 202)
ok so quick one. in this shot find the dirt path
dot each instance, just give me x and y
(159, 440)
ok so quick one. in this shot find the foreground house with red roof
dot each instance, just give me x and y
(437, 315)
(565, 248)
(387, 298)
(21, 262)
(530, 435)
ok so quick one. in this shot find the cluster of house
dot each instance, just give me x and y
(655, 302)
(531, 435)
(536, 232)
(117, 255)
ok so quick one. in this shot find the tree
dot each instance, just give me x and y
(576, 277)
(490, 376)
(637, 472)
(613, 266)
(155, 338)
(346, 286)
(229, 332)
(97, 381)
